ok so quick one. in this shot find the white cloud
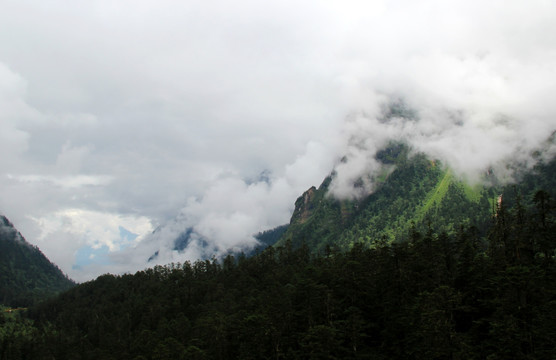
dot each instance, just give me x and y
(13, 140)
(132, 108)
(66, 231)
(473, 112)
(232, 210)
(65, 181)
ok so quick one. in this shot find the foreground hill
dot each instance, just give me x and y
(26, 275)
(432, 296)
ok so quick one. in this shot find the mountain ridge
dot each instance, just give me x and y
(26, 274)
(417, 192)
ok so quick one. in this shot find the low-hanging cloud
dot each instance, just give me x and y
(141, 110)
(232, 210)
(475, 113)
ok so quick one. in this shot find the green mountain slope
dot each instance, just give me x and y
(419, 193)
(26, 275)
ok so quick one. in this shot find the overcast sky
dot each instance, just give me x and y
(122, 117)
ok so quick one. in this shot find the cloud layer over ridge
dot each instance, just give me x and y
(217, 115)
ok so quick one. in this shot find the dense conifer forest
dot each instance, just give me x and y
(432, 296)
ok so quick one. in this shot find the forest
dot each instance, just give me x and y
(466, 294)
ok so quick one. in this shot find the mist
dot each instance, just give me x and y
(158, 117)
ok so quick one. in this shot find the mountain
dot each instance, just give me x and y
(26, 275)
(414, 193)
(424, 267)
(433, 296)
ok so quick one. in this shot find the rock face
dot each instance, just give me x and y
(304, 206)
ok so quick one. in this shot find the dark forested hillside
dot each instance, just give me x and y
(426, 267)
(431, 296)
(26, 275)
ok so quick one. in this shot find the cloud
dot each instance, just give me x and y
(472, 112)
(67, 234)
(13, 141)
(67, 182)
(232, 210)
(149, 109)
(479, 90)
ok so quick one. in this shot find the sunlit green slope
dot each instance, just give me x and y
(419, 193)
